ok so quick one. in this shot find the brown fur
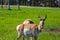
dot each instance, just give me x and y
(28, 26)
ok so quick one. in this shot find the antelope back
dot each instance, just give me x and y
(28, 21)
(30, 26)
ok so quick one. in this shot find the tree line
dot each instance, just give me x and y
(31, 2)
(9, 2)
(42, 3)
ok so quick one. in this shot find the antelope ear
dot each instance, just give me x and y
(45, 17)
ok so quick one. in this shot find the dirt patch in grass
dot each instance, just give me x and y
(52, 30)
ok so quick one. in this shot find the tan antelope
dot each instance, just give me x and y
(30, 30)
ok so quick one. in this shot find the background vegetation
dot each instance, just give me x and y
(9, 19)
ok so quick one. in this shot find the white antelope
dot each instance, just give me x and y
(30, 30)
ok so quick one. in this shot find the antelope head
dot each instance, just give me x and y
(41, 24)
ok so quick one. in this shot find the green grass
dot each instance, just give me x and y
(9, 19)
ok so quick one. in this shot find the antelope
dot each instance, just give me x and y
(30, 30)
(28, 21)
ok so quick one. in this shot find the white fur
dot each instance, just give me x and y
(28, 32)
(17, 27)
(41, 23)
(26, 22)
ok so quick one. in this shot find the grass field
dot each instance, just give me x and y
(9, 19)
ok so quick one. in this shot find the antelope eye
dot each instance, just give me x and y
(40, 19)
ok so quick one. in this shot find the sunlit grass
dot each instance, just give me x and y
(9, 19)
